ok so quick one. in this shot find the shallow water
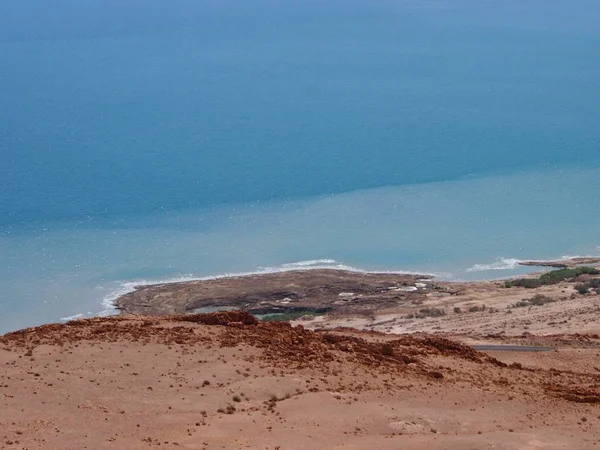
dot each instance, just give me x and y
(470, 229)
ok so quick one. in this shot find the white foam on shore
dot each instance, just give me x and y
(310, 263)
(125, 287)
(574, 257)
(513, 263)
(74, 317)
(499, 264)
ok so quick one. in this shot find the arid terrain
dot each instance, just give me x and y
(225, 380)
(387, 302)
(368, 361)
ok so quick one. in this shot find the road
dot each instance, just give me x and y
(510, 348)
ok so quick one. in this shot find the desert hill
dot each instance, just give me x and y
(228, 381)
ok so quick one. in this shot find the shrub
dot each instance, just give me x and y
(457, 310)
(477, 308)
(539, 300)
(432, 312)
(552, 277)
(536, 300)
(529, 283)
(584, 288)
(556, 276)
(427, 312)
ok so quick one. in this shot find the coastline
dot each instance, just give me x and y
(360, 229)
(387, 302)
(116, 299)
(313, 285)
(375, 360)
(109, 302)
(117, 289)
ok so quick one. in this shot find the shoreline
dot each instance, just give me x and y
(176, 379)
(110, 302)
(256, 288)
(378, 301)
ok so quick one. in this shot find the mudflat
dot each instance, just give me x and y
(292, 291)
(386, 302)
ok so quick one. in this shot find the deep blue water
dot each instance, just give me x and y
(153, 140)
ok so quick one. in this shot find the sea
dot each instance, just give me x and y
(152, 141)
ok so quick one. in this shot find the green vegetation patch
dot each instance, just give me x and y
(588, 286)
(477, 308)
(536, 300)
(553, 277)
(427, 312)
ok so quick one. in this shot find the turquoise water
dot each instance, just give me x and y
(200, 138)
